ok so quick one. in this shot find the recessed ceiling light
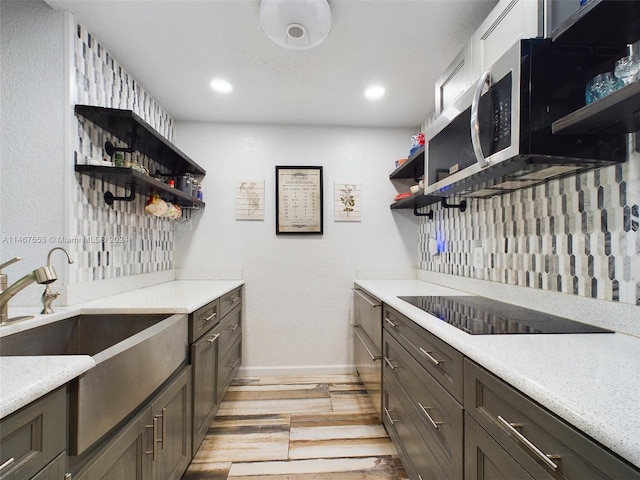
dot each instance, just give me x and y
(374, 92)
(221, 86)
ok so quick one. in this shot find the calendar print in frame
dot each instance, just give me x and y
(299, 200)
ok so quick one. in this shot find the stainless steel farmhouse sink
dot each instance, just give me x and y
(134, 355)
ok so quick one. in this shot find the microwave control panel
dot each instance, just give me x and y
(501, 122)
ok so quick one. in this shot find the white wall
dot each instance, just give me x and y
(298, 288)
(32, 140)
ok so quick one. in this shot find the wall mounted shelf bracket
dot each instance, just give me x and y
(109, 197)
(110, 148)
(418, 214)
(462, 206)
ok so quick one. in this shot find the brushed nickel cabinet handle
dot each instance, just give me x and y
(8, 463)
(213, 338)
(391, 365)
(154, 435)
(67, 476)
(429, 417)
(511, 428)
(388, 414)
(235, 327)
(390, 323)
(355, 330)
(435, 361)
(213, 315)
(164, 427)
(235, 299)
(366, 299)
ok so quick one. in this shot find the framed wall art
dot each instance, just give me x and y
(299, 200)
(250, 200)
(347, 205)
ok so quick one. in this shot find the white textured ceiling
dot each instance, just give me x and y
(175, 47)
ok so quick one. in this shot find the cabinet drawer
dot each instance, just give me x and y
(437, 416)
(229, 300)
(542, 443)
(228, 367)
(230, 328)
(442, 361)
(203, 319)
(416, 458)
(485, 459)
(33, 436)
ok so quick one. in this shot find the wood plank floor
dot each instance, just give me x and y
(296, 428)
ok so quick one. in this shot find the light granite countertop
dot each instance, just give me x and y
(25, 379)
(590, 380)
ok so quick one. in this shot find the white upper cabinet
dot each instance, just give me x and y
(507, 23)
(455, 79)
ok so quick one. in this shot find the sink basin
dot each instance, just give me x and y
(134, 355)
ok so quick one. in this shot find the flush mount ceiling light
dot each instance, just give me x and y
(374, 92)
(296, 24)
(220, 85)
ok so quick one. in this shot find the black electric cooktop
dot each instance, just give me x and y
(483, 316)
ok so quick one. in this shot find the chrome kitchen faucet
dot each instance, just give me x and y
(43, 275)
(48, 296)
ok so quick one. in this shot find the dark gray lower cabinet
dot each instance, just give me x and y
(422, 417)
(485, 459)
(204, 360)
(128, 455)
(544, 445)
(216, 354)
(450, 419)
(172, 428)
(154, 445)
(32, 438)
(55, 470)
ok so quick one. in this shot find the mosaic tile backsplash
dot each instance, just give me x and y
(578, 235)
(112, 242)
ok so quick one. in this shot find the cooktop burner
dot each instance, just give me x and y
(483, 316)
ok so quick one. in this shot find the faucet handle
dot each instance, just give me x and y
(10, 262)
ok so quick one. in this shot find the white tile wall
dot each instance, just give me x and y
(577, 235)
(116, 241)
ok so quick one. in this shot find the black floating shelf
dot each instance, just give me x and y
(139, 182)
(601, 23)
(618, 112)
(140, 136)
(416, 200)
(412, 168)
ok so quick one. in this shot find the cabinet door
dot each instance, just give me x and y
(508, 22)
(33, 436)
(172, 428)
(485, 459)
(455, 79)
(435, 414)
(230, 328)
(537, 439)
(128, 455)
(55, 470)
(204, 362)
(416, 457)
(228, 367)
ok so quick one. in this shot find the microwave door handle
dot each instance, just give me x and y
(475, 124)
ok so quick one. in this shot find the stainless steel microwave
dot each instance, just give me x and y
(496, 137)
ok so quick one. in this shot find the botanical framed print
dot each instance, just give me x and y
(249, 199)
(347, 205)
